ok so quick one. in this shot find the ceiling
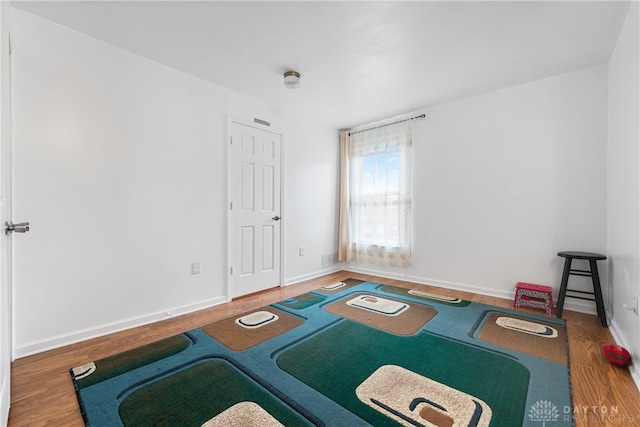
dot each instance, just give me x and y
(360, 61)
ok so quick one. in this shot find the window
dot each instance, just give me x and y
(376, 201)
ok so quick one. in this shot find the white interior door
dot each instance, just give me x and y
(255, 209)
(6, 352)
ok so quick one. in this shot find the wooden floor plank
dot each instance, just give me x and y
(43, 393)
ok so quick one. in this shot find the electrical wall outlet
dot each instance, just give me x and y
(195, 268)
(632, 307)
(301, 251)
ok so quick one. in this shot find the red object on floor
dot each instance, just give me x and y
(530, 295)
(616, 355)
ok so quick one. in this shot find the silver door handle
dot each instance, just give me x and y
(276, 218)
(10, 227)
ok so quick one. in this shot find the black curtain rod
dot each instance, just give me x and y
(421, 116)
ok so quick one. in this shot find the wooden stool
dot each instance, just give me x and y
(531, 295)
(595, 278)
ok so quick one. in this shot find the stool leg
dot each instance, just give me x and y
(563, 286)
(595, 277)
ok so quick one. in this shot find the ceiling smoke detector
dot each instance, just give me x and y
(292, 79)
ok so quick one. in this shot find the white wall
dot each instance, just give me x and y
(624, 185)
(310, 188)
(121, 170)
(505, 180)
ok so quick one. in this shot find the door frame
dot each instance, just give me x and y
(6, 249)
(257, 124)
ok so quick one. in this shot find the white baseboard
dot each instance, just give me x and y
(621, 340)
(333, 269)
(110, 328)
(434, 282)
(580, 306)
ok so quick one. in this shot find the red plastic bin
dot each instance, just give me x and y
(616, 355)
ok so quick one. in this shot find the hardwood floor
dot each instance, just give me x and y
(42, 392)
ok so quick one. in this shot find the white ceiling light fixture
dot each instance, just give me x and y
(292, 79)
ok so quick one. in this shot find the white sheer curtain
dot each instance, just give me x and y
(375, 214)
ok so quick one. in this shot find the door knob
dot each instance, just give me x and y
(10, 227)
(276, 218)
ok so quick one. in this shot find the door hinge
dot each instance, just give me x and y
(230, 206)
(231, 271)
(230, 140)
